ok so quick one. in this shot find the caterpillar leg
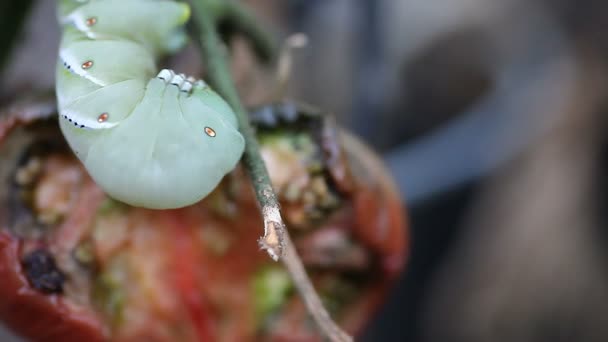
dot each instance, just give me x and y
(183, 82)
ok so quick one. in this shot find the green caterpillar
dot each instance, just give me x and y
(150, 139)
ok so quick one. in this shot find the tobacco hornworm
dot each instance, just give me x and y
(155, 140)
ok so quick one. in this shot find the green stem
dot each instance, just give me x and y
(276, 239)
(220, 77)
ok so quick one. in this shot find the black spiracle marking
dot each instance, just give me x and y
(42, 272)
(67, 66)
(73, 121)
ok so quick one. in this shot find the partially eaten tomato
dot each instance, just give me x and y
(78, 266)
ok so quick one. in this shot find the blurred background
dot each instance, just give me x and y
(492, 118)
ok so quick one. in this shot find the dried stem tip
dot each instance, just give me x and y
(273, 241)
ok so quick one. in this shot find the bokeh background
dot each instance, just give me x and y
(491, 116)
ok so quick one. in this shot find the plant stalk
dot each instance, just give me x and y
(276, 240)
